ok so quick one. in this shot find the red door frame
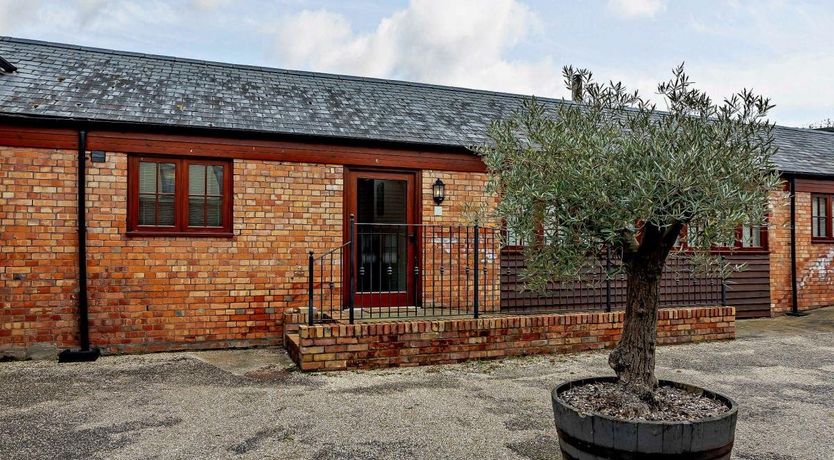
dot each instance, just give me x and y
(413, 216)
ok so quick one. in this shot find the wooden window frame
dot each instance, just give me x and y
(829, 218)
(683, 243)
(180, 227)
(737, 244)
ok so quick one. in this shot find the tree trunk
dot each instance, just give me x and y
(634, 357)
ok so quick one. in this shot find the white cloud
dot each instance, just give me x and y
(462, 43)
(13, 12)
(210, 5)
(637, 8)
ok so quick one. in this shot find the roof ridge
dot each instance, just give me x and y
(806, 130)
(327, 75)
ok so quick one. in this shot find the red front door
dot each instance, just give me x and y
(385, 236)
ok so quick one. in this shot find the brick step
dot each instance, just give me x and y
(291, 342)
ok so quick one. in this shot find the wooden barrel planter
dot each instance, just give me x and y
(597, 437)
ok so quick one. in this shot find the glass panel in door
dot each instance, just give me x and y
(382, 238)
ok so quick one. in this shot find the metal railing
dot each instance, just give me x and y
(395, 270)
(386, 271)
(603, 287)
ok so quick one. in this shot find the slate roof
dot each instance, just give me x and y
(81, 83)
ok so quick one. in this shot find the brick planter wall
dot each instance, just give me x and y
(413, 343)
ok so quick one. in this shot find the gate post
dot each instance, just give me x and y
(608, 278)
(475, 279)
(351, 258)
(310, 294)
(722, 281)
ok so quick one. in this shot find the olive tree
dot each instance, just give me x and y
(611, 170)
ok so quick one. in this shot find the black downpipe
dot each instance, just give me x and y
(85, 353)
(794, 289)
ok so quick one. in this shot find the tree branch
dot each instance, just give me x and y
(628, 241)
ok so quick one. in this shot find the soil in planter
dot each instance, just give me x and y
(670, 404)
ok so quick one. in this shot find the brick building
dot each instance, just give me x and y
(206, 185)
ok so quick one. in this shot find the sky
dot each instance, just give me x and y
(782, 49)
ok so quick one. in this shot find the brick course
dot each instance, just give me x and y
(413, 343)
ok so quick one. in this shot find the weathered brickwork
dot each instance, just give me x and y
(167, 293)
(157, 293)
(38, 244)
(414, 343)
(814, 261)
(450, 242)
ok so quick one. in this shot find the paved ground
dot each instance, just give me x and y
(248, 404)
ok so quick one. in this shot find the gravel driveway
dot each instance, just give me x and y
(250, 404)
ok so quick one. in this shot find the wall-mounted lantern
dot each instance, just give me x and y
(438, 191)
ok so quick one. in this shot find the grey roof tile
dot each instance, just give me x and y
(59, 80)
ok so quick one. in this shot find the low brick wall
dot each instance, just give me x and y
(414, 343)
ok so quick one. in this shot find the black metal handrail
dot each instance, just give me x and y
(396, 270)
(392, 270)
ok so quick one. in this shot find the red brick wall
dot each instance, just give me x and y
(449, 246)
(156, 293)
(413, 343)
(814, 261)
(38, 244)
(166, 293)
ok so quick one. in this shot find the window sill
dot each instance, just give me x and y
(822, 240)
(143, 233)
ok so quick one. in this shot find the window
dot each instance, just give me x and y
(692, 232)
(751, 236)
(179, 196)
(511, 238)
(821, 217)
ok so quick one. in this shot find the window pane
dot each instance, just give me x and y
(166, 210)
(692, 235)
(167, 176)
(751, 236)
(215, 180)
(147, 177)
(196, 211)
(147, 209)
(196, 179)
(381, 201)
(214, 217)
(513, 239)
(819, 217)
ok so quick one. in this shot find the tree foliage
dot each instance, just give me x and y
(575, 177)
